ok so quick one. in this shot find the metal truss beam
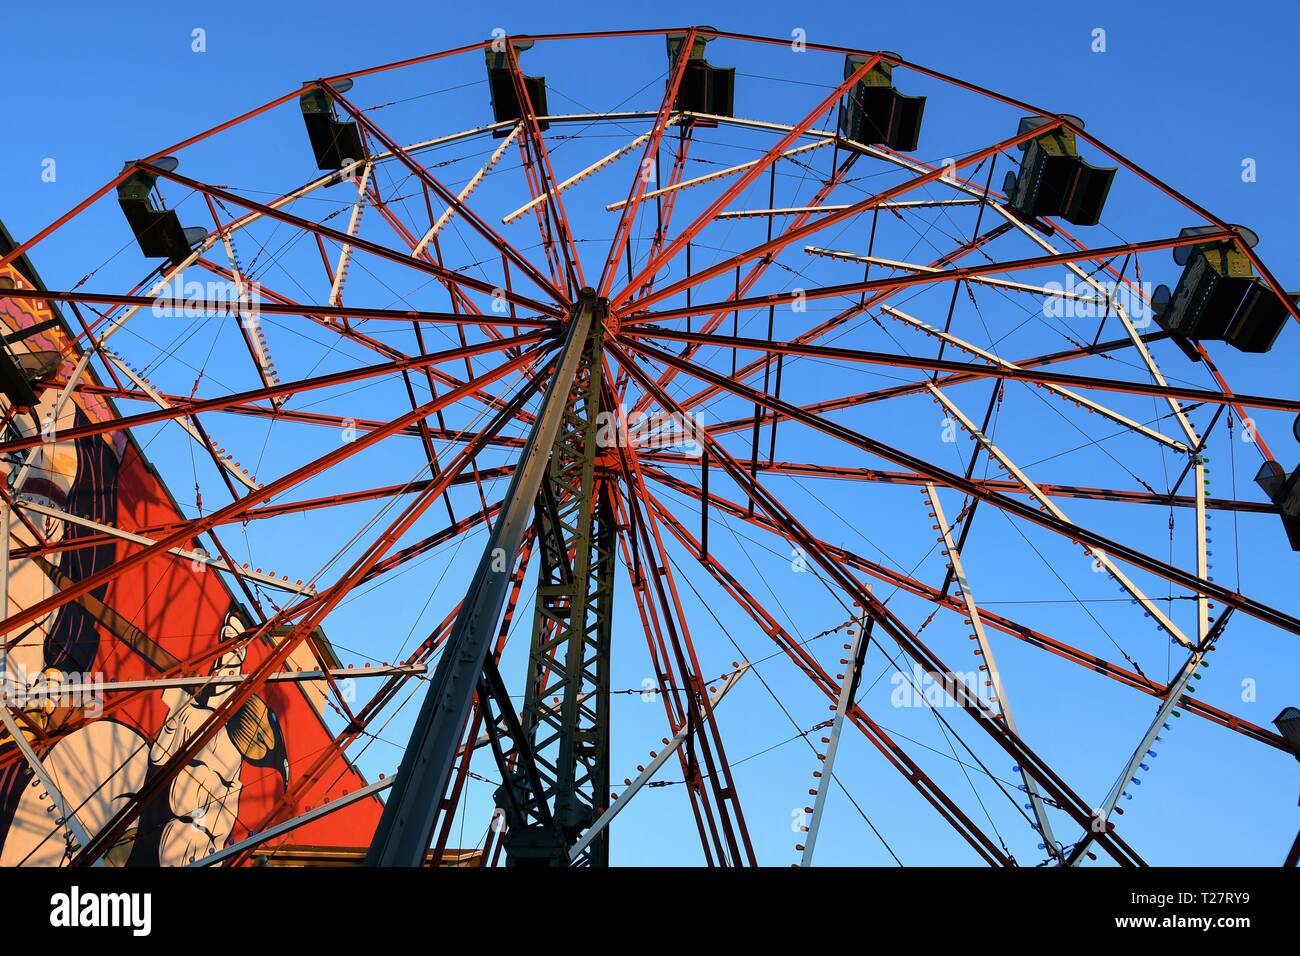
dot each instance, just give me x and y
(404, 829)
(674, 743)
(860, 634)
(569, 654)
(1055, 787)
(970, 370)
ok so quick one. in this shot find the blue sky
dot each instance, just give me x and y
(1181, 88)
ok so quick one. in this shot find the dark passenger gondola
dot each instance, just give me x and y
(704, 88)
(21, 373)
(336, 143)
(1219, 297)
(505, 98)
(875, 113)
(1054, 180)
(156, 227)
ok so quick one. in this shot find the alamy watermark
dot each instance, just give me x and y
(87, 908)
(211, 297)
(921, 689)
(659, 430)
(1077, 298)
(51, 689)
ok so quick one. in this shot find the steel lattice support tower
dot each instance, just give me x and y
(565, 716)
(463, 670)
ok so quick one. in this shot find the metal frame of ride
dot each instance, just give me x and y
(583, 342)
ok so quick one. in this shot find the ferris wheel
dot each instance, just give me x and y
(819, 399)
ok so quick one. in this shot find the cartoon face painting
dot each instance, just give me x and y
(104, 763)
(140, 625)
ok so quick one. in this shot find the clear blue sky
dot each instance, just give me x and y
(1188, 89)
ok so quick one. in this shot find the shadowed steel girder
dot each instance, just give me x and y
(403, 832)
(565, 715)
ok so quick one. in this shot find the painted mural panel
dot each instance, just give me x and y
(143, 623)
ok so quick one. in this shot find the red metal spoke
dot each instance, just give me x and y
(321, 231)
(300, 506)
(639, 176)
(459, 300)
(254, 497)
(1072, 532)
(1055, 787)
(858, 473)
(731, 192)
(284, 307)
(968, 369)
(897, 391)
(542, 213)
(195, 406)
(858, 308)
(298, 416)
(446, 195)
(823, 193)
(673, 687)
(981, 843)
(917, 278)
(774, 246)
(998, 621)
(548, 184)
(720, 778)
(430, 371)
(666, 205)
